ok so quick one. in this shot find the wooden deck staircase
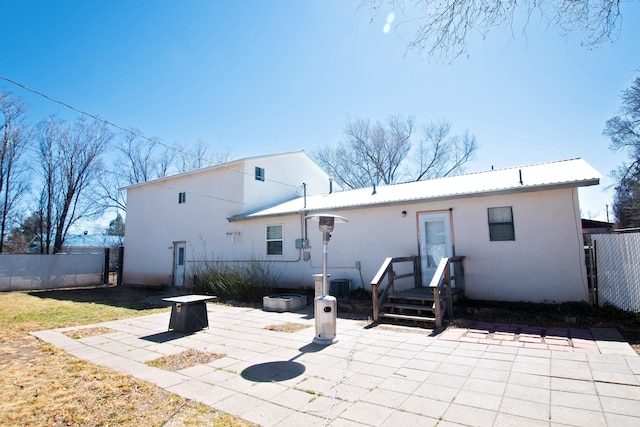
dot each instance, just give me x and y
(424, 305)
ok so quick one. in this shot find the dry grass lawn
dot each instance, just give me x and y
(42, 386)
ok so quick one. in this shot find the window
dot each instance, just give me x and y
(182, 197)
(259, 174)
(274, 240)
(501, 224)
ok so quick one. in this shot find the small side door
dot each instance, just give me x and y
(178, 263)
(435, 242)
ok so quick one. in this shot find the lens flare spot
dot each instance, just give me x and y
(390, 17)
(387, 27)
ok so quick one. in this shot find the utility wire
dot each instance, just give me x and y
(98, 118)
(156, 182)
(132, 132)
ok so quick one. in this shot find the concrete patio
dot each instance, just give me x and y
(488, 375)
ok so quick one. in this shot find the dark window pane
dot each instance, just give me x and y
(501, 224)
(274, 247)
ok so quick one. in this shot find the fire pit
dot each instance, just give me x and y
(284, 302)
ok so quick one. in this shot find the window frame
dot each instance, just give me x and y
(259, 173)
(182, 197)
(269, 241)
(501, 231)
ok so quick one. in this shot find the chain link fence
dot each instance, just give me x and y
(613, 260)
(19, 272)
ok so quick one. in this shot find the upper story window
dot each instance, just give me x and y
(182, 197)
(275, 240)
(501, 224)
(259, 174)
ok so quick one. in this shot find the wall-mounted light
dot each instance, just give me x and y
(404, 213)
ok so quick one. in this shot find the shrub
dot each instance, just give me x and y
(241, 281)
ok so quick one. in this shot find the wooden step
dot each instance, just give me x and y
(418, 302)
(408, 306)
(426, 298)
(407, 317)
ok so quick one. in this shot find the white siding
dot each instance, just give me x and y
(544, 263)
(155, 219)
(284, 176)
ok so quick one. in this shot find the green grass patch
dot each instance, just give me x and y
(23, 312)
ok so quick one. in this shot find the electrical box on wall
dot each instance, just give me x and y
(302, 243)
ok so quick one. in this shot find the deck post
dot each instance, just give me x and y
(447, 281)
(437, 310)
(374, 300)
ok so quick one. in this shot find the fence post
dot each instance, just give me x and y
(105, 271)
(120, 263)
(594, 273)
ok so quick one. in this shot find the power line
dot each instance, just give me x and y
(156, 182)
(130, 131)
(98, 118)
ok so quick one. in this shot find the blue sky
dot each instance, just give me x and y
(259, 77)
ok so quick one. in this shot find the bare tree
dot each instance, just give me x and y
(70, 169)
(137, 163)
(371, 153)
(624, 132)
(383, 153)
(442, 28)
(195, 159)
(137, 160)
(440, 153)
(13, 185)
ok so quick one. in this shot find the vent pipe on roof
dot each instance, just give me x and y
(520, 173)
(374, 189)
(304, 193)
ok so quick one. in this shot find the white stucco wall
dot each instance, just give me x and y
(285, 175)
(544, 263)
(155, 220)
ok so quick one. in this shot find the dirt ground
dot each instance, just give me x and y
(43, 386)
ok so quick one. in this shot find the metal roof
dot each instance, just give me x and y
(92, 240)
(559, 174)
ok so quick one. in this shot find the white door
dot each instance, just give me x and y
(178, 263)
(435, 242)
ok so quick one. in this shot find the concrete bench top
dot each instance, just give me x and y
(188, 299)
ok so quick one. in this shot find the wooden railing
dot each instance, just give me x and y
(441, 283)
(386, 270)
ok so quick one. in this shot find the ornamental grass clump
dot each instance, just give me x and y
(246, 281)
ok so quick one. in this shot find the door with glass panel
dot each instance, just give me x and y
(435, 242)
(178, 263)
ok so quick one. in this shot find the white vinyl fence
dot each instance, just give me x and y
(31, 272)
(617, 269)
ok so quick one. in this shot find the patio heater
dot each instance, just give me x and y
(325, 306)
